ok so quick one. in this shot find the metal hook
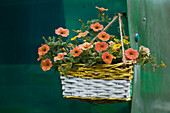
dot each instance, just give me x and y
(136, 37)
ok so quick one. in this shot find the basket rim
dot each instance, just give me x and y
(105, 71)
(79, 64)
(98, 100)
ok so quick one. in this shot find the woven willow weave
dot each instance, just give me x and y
(104, 71)
(99, 84)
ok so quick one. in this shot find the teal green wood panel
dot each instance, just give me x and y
(151, 94)
(24, 87)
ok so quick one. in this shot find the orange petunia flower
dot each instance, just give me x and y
(60, 56)
(133, 60)
(82, 34)
(62, 32)
(101, 46)
(101, 9)
(43, 49)
(107, 58)
(131, 54)
(76, 51)
(103, 36)
(46, 64)
(96, 27)
(86, 46)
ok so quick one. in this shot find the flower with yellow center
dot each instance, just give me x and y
(103, 36)
(43, 49)
(101, 9)
(117, 46)
(86, 46)
(107, 57)
(62, 32)
(96, 27)
(101, 46)
(76, 51)
(82, 34)
(46, 64)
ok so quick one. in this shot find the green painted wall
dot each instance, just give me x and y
(24, 87)
(151, 94)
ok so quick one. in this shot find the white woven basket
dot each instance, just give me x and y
(96, 88)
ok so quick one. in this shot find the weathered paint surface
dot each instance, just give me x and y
(151, 20)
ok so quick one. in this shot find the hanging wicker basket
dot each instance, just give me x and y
(99, 84)
(102, 83)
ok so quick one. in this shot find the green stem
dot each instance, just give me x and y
(60, 39)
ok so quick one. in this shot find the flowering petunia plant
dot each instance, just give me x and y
(91, 45)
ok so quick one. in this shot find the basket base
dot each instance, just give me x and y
(98, 100)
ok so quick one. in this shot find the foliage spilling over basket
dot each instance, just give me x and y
(94, 58)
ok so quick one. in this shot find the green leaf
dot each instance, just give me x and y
(92, 63)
